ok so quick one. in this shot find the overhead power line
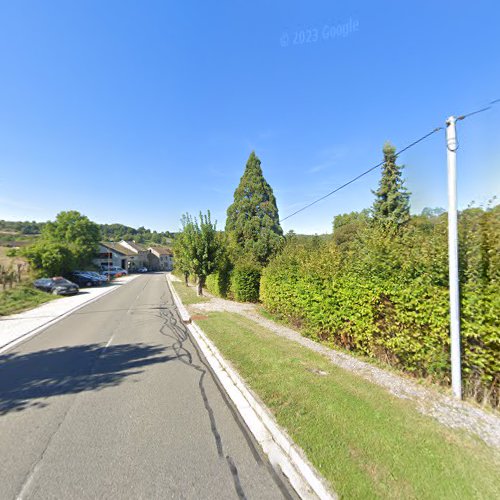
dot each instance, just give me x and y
(414, 143)
(486, 108)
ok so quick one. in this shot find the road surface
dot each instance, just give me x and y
(115, 401)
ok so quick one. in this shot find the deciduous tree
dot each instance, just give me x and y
(199, 246)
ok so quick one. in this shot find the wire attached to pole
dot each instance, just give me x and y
(437, 129)
(414, 143)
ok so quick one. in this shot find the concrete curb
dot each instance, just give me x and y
(278, 446)
(39, 329)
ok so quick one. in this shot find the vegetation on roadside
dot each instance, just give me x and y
(253, 235)
(22, 298)
(365, 442)
(379, 285)
(383, 292)
(197, 248)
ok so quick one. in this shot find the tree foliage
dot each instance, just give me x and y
(70, 242)
(252, 223)
(392, 200)
(143, 235)
(197, 247)
(385, 294)
(75, 231)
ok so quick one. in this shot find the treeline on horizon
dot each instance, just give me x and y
(23, 229)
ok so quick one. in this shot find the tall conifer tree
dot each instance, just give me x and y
(252, 223)
(392, 199)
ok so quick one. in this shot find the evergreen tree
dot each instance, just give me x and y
(392, 200)
(252, 224)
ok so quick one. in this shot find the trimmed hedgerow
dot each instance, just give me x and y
(245, 283)
(219, 283)
(385, 295)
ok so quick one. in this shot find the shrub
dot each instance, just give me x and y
(219, 283)
(245, 283)
(385, 295)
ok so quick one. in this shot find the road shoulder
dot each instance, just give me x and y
(17, 328)
(282, 452)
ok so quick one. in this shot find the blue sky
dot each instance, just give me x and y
(136, 112)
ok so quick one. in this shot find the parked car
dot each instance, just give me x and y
(114, 271)
(110, 273)
(56, 286)
(142, 270)
(97, 275)
(83, 278)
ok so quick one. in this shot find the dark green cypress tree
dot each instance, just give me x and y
(392, 199)
(252, 223)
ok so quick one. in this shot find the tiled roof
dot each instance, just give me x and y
(116, 247)
(137, 246)
(161, 250)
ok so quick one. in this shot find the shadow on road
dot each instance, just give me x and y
(27, 380)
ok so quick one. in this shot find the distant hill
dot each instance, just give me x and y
(13, 233)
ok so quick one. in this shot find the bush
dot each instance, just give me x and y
(245, 283)
(219, 283)
(385, 295)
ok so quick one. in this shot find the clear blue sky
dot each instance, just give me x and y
(136, 112)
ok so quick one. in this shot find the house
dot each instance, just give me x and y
(160, 258)
(113, 254)
(139, 257)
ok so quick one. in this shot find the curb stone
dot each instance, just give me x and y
(282, 452)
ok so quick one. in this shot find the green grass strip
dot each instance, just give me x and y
(365, 442)
(22, 298)
(188, 294)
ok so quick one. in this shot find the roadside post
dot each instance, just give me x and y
(109, 263)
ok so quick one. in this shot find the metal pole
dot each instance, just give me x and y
(456, 370)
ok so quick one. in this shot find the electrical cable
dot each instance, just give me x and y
(414, 143)
(437, 129)
(492, 103)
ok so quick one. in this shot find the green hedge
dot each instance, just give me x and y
(245, 283)
(388, 299)
(218, 283)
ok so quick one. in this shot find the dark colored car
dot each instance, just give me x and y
(101, 277)
(56, 286)
(83, 278)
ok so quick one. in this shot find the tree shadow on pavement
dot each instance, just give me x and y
(27, 380)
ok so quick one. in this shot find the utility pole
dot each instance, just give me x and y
(456, 369)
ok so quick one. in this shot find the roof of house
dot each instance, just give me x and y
(116, 247)
(161, 250)
(136, 246)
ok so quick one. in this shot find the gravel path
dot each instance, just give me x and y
(447, 410)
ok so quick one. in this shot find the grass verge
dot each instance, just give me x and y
(188, 294)
(365, 442)
(21, 298)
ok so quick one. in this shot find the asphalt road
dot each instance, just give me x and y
(115, 401)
